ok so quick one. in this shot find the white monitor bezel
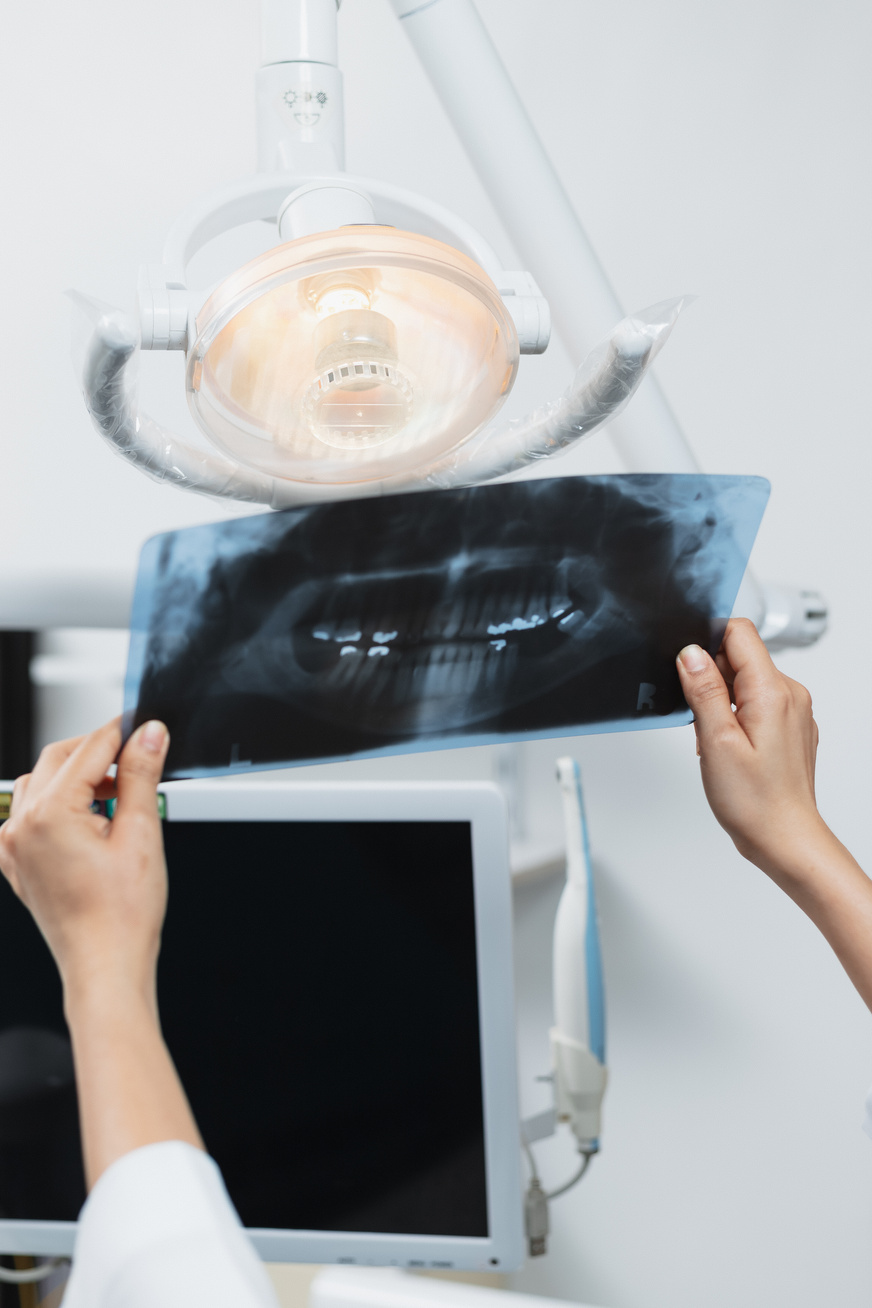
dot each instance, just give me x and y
(482, 805)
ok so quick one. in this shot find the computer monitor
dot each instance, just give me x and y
(335, 986)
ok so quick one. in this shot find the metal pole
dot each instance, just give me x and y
(300, 115)
(485, 110)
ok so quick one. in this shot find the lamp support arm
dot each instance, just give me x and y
(486, 112)
(300, 110)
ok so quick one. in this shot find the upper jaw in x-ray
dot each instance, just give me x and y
(433, 648)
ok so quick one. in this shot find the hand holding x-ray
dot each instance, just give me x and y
(97, 889)
(758, 768)
(758, 762)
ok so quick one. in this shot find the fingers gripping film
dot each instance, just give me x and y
(139, 770)
(706, 693)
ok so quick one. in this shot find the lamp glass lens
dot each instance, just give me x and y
(351, 356)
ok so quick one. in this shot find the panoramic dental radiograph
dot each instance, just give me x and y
(417, 621)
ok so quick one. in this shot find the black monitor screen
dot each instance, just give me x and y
(318, 993)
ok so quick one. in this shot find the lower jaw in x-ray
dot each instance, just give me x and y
(407, 651)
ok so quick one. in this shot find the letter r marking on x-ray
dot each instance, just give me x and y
(647, 691)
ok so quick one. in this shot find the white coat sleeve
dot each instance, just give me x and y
(867, 1123)
(159, 1231)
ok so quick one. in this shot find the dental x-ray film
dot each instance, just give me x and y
(432, 620)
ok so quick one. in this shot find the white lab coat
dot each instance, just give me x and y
(159, 1231)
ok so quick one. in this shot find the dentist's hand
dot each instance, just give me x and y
(96, 888)
(757, 768)
(98, 892)
(758, 762)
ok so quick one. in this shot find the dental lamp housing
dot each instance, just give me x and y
(417, 393)
(369, 351)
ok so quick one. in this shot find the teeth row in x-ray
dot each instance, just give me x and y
(493, 618)
(432, 648)
(428, 648)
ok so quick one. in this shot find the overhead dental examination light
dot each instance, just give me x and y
(371, 348)
(350, 355)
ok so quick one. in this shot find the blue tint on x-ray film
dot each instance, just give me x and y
(530, 609)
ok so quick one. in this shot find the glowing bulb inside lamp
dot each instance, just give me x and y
(350, 356)
(360, 396)
(340, 299)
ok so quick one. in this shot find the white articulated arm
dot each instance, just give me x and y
(106, 366)
(110, 399)
(107, 372)
(459, 57)
(467, 73)
(300, 111)
(602, 387)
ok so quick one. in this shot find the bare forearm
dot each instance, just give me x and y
(129, 1092)
(757, 744)
(828, 884)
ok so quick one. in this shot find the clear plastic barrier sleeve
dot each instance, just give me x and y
(603, 385)
(105, 354)
(106, 350)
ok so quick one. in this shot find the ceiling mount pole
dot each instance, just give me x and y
(487, 113)
(494, 127)
(300, 114)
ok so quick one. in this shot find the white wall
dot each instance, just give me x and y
(715, 149)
